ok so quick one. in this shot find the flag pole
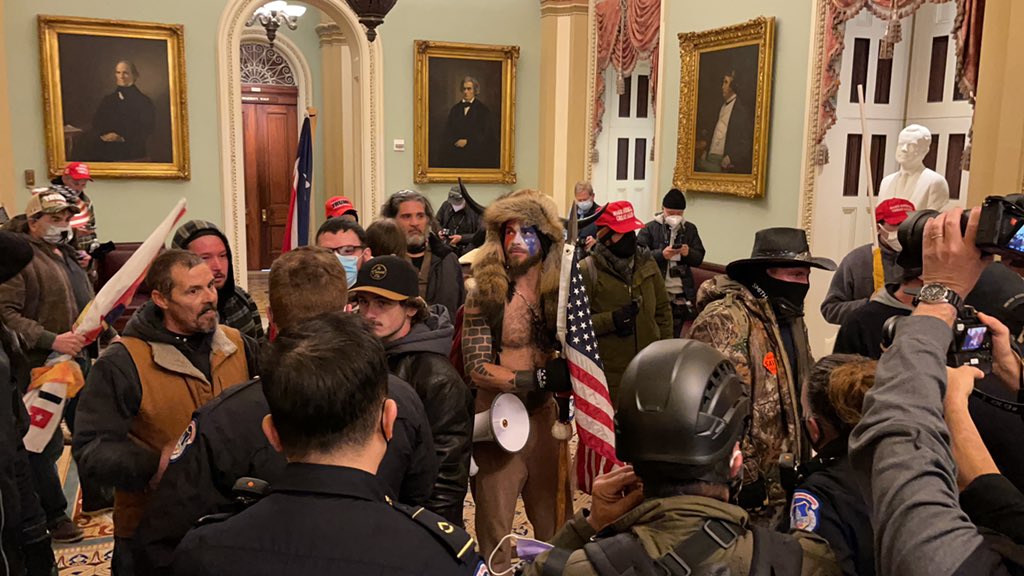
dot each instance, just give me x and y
(568, 251)
(867, 164)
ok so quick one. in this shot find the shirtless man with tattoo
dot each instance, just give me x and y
(508, 343)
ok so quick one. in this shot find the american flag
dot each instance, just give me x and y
(595, 453)
(296, 228)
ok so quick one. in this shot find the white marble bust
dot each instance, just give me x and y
(923, 187)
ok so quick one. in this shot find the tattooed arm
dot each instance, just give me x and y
(479, 355)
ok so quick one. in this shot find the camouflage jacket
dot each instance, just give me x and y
(661, 524)
(744, 328)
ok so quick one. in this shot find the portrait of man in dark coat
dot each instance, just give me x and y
(470, 136)
(123, 122)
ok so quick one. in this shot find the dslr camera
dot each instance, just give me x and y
(972, 342)
(1000, 230)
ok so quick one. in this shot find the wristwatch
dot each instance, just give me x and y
(938, 294)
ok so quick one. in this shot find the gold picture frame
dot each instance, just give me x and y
(724, 108)
(114, 95)
(452, 140)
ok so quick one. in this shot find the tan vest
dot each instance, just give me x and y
(172, 388)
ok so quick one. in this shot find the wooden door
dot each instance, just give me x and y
(270, 127)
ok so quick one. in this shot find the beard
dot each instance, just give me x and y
(206, 323)
(415, 241)
(519, 266)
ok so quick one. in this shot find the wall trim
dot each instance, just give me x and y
(367, 58)
(809, 172)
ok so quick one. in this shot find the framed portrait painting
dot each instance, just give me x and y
(464, 116)
(724, 105)
(114, 96)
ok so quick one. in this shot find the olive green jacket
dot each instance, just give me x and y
(661, 524)
(609, 291)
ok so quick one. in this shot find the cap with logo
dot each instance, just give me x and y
(48, 201)
(77, 170)
(893, 211)
(339, 206)
(619, 217)
(390, 277)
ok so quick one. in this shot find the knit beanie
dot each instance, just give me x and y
(674, 200)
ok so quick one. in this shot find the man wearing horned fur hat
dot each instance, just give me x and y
(508, 343)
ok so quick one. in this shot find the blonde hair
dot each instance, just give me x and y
(836, 389)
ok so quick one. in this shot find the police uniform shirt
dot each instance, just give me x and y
(327, 520)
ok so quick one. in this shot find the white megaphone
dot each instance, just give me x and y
(506, 423)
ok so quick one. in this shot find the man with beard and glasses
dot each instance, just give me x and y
(508, 340)
(236, 307)
(440, 276)
(754, 315)
(173, 358)
(628, 302)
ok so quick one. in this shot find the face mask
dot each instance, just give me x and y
(890, 239)
(351, 266)
(458, 206)
(673, 221)
(584, 206)
(787, 298)
(57, 234)
(527, 549)
(625, 247)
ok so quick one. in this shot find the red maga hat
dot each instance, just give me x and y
(893, 211)
(619, 217)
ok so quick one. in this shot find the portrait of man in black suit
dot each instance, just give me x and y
(724, 141)
(470, 135)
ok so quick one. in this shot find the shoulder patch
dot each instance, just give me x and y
(186, 440)
(455, 539)
(481, 569)
(804, 512)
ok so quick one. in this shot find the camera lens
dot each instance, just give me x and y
(911, 236)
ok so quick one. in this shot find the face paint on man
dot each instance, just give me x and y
(523, 240)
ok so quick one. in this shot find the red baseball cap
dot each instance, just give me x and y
(619, 217)
(893, 211)
(339, 206)
(77, 170)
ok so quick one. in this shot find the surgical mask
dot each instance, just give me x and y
(457, 205)
(527, 550)
(673, 221)
(351, 266)
(584, 206)
(891, 239)
(57, 234)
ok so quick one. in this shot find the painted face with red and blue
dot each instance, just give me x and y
(521, 242)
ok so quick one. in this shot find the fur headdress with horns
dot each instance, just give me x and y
(530, 208)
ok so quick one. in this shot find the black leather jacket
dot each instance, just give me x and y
(655, 236)
(421, 359)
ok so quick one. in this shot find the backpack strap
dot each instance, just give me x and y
(556, 561)
(776, 554)
(623, 555)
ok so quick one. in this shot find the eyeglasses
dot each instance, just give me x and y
(348, 250)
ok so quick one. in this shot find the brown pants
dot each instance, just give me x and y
(532, 472)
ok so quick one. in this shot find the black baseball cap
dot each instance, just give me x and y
(390, 277)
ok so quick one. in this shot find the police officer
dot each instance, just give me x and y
(326, 385)
(682, 411)
(224, 441)
(828, 502)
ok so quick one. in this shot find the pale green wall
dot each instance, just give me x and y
(727, 224)
(128, 210)
(514, 22)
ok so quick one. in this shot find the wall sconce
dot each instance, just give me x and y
(273, 14)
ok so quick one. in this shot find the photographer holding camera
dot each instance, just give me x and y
(900, 448)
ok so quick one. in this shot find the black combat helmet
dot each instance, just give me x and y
(680, 403)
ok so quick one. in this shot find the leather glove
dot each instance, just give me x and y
(624, 319)
(556, 376)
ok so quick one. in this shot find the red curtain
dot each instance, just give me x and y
(627, 31)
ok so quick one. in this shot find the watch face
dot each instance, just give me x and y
(933, 293)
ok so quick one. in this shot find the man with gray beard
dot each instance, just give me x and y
(440, 275)
(140, 394)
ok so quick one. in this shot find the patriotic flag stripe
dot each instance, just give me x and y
(296, 230)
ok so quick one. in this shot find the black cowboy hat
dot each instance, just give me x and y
(779, 247)
(17, 254)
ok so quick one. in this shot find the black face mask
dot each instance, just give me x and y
(625, 247)
(786, 298)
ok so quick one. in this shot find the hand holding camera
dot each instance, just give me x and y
(1005, 362)
(951, 257)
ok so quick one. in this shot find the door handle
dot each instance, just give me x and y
(263, 215)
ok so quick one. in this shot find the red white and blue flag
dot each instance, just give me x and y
(296, 230)
(595, 452)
